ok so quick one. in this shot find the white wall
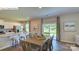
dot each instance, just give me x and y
(35, 23)
(69, 36)
(8, 24)
(49, 20)
(38, 23)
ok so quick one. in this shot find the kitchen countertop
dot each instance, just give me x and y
(5, 39)
(6, 34)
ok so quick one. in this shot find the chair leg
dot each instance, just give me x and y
(50, 48)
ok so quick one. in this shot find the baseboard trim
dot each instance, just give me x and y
(67, 42)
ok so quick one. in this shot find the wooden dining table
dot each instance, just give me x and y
(38, 42)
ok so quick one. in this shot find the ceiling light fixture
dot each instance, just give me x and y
(40, 7)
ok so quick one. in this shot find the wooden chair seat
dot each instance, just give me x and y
(35, 47)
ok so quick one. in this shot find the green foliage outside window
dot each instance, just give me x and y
(49, 29)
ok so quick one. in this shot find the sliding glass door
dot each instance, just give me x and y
(49, 29)
(46, 30)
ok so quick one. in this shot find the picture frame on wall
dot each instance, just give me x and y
(70, 26)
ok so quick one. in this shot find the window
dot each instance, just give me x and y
(49, 29)
(27, 26)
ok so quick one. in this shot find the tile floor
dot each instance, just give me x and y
(59, 46)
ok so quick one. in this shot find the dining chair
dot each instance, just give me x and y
(15, 41)
(50, 44)
(28, 47)
(25, 46)
(45, 47)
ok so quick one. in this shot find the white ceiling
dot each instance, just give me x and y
(34, 12)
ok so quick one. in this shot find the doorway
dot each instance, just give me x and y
(51, 27)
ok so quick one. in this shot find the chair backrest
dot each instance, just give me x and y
(23, 44)
(51, 39)
(21, 38)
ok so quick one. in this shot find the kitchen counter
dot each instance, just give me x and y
(6, 34)
(5, 39)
